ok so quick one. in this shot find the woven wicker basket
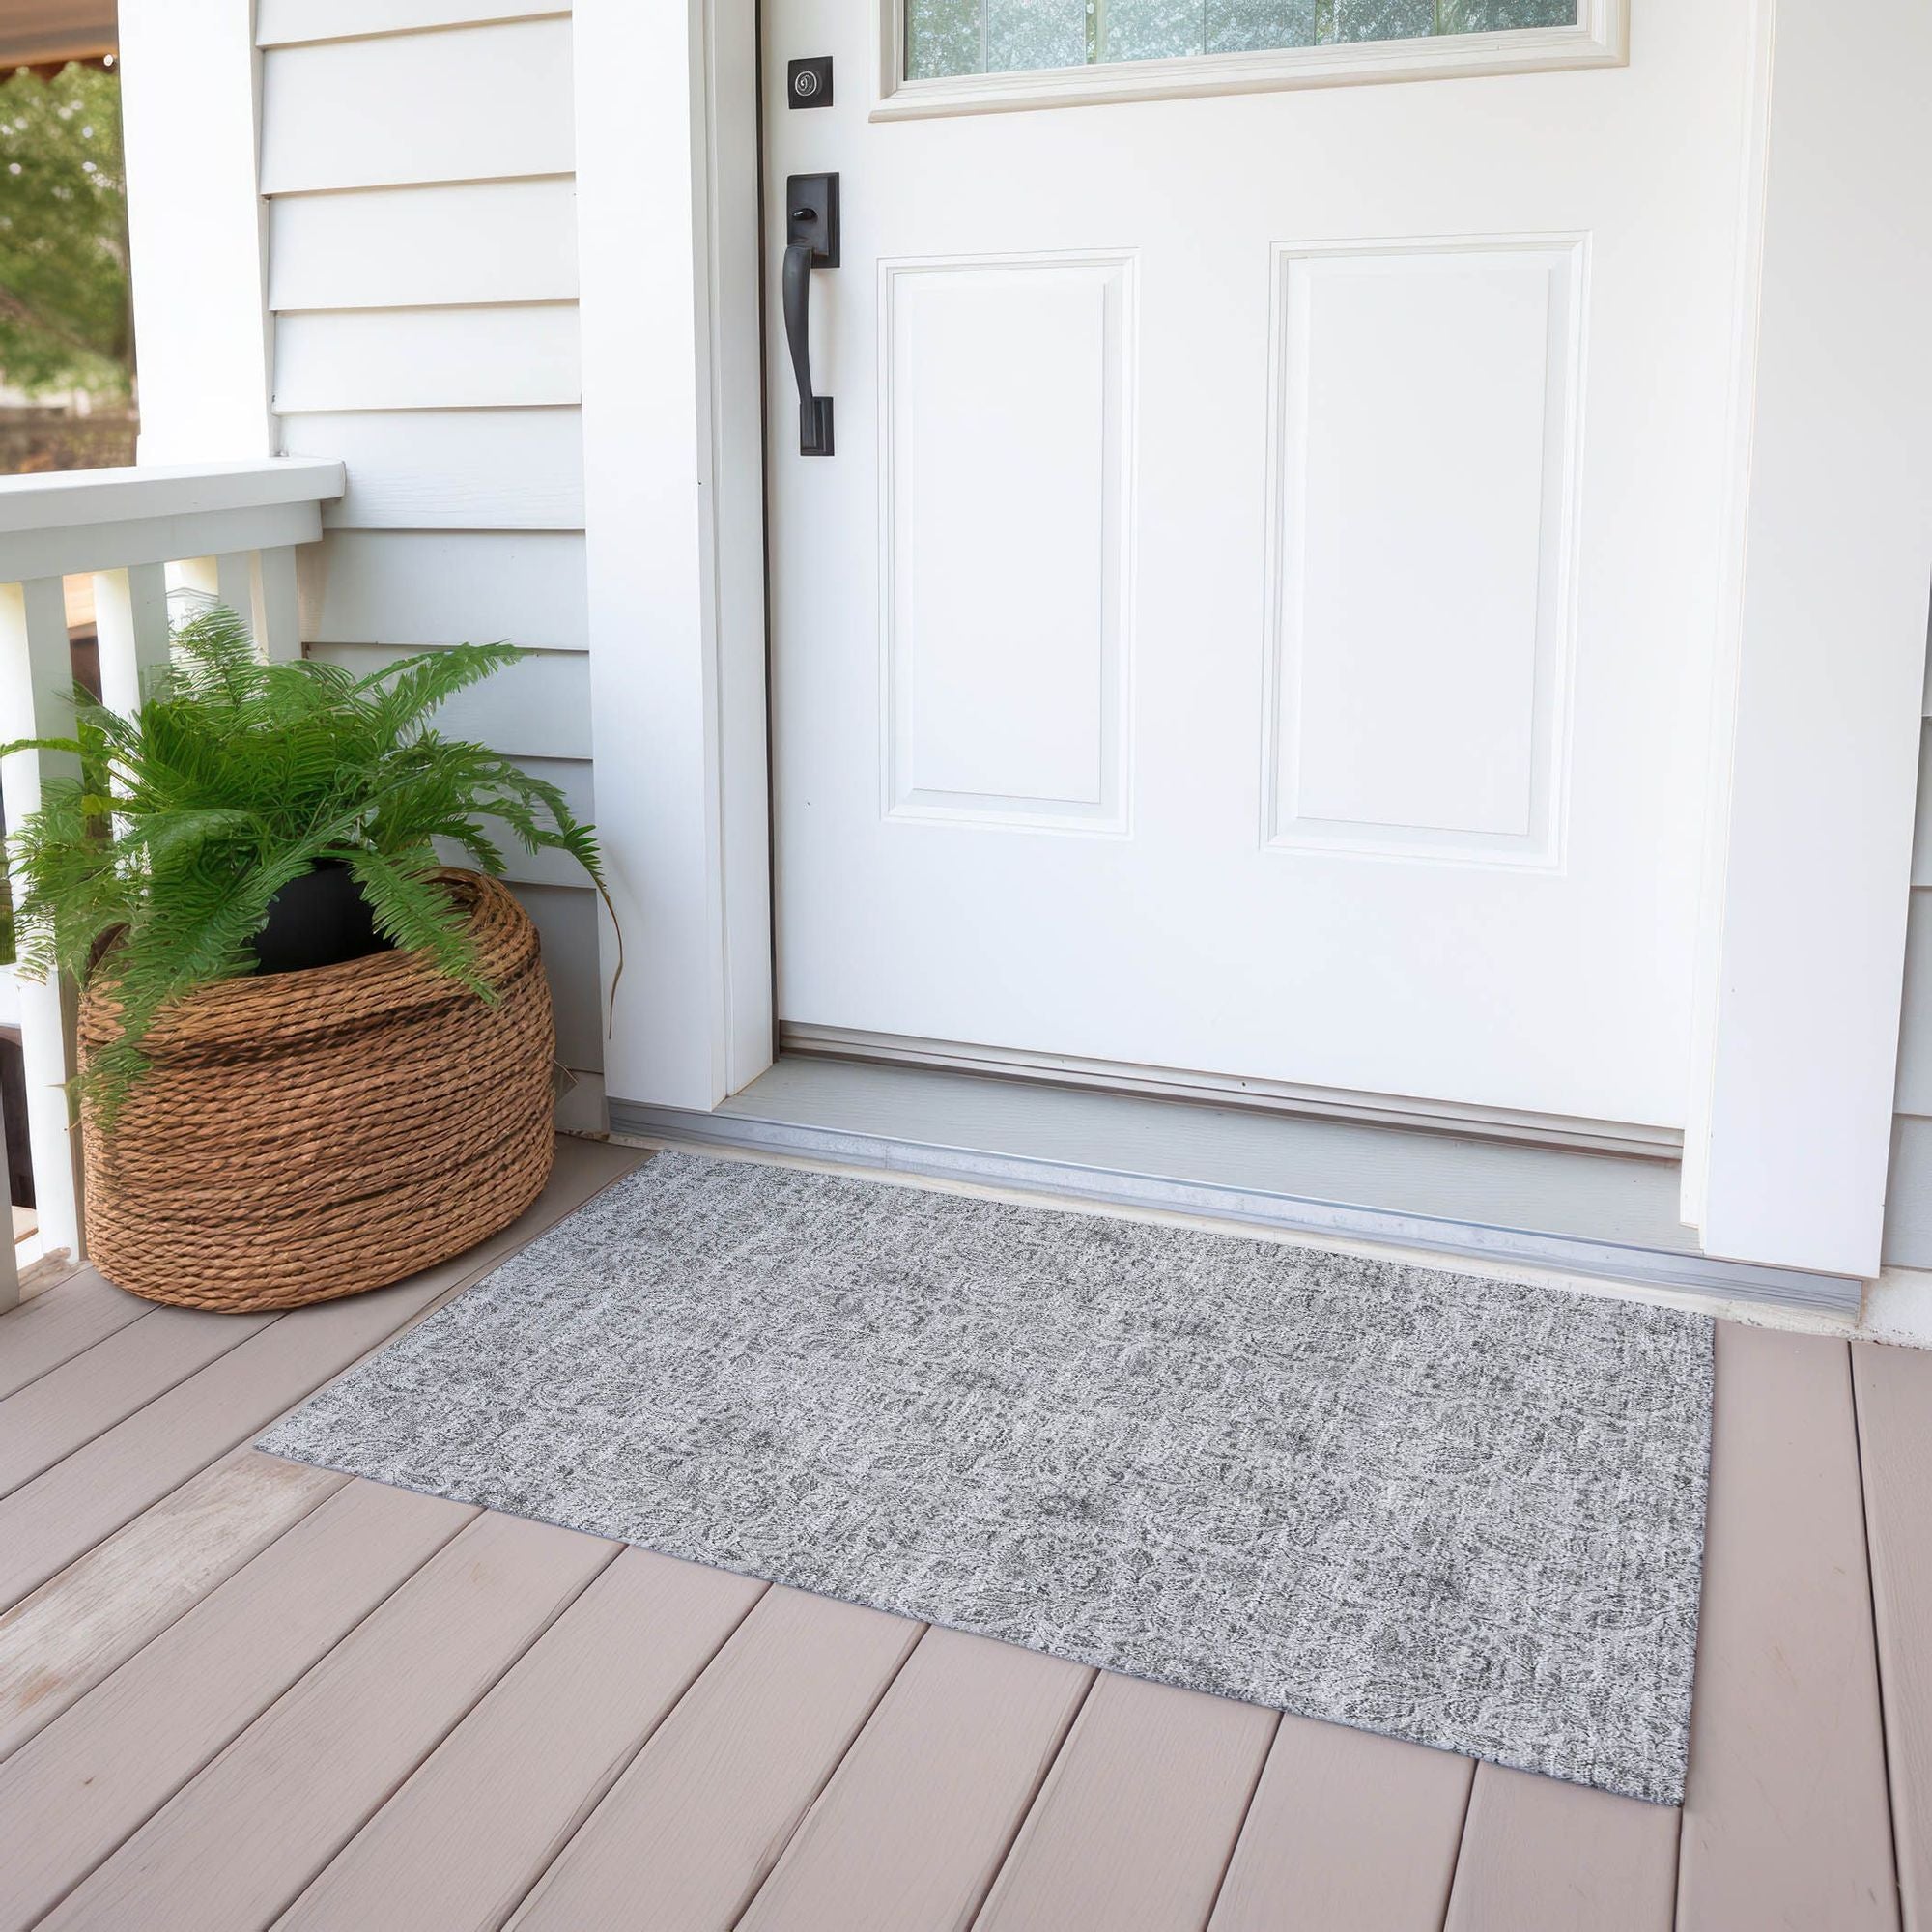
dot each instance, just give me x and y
(308, 1135)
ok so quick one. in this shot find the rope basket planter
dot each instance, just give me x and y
(307, 1135)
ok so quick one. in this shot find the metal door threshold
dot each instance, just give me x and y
(1607, 1215)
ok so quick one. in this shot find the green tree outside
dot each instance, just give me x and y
(66, 315)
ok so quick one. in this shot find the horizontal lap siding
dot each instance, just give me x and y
(418, 358)
(417, 157)
(1908, 1208)
(462, 470)
(409, 247)
(468, 104)
(415, 588)
(286, 22)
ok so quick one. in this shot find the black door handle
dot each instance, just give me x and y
(812, 242)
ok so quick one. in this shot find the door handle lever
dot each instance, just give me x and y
(812, 242)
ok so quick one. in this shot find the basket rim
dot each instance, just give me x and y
(379, 986)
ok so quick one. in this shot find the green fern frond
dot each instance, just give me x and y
(236, 777)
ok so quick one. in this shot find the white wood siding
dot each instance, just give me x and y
(469, 103)
(1908, 1202)
(416, 156)
(536, 709)
(396, 247)
(465, 469)
(283, 22)
(414, 359)
(447, 587)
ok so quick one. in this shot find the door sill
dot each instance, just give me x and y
(1609, 1215)
(1227, 1090)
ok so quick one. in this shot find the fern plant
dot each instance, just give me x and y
(236, 777)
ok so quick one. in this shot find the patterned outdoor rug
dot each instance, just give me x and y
(1462, 1512)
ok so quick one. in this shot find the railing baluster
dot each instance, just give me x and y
(10, 1261)
(277, 614)
(131, 615)
(235, 583)
(36, 686)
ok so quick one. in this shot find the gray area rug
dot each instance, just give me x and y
(1462, 1512)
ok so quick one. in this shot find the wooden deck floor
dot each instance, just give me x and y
(237, 1692)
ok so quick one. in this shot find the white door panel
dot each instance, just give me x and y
(1259, 616)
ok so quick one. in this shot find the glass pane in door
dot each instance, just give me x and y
(949, 37)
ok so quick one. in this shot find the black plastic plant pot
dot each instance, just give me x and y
(319, 920)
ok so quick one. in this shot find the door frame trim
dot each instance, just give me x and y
(668, 246)
(1828, 563)
(1800, 997)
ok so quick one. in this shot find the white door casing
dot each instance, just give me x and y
(1260, 617)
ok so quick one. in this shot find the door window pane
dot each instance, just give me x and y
(949, 37)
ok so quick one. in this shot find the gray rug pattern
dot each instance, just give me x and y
(1461, 1511)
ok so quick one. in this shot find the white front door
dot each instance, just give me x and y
(1258, 616)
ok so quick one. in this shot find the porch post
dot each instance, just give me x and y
(190, 99)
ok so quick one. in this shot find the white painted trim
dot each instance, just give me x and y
(190, 110)
(1747, 275)
(1802, 1025)
(86, 520)
(1600, 38)
(46, 502)
(674, 521)
(76, 547)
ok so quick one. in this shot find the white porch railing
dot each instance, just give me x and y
(228, 528)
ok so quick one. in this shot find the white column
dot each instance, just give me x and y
(36, 683)
(190, 91)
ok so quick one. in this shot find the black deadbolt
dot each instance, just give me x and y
(809, 82)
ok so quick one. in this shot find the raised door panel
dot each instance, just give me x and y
(1006, 447)
(1424, 474)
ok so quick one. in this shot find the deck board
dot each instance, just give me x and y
(1135, 1824)
(1347, 1828)
(58, 1324)
(72, 1634)
(88, 1394)
(692, 1830)
(90, 1781)
(1538, 1855)
(59, 1515)
(916, 1822)
(1786, 1819)
(240, 1842)
(239, 1703)
(54, 1518)
(1894, 1401)
(466, 1837)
